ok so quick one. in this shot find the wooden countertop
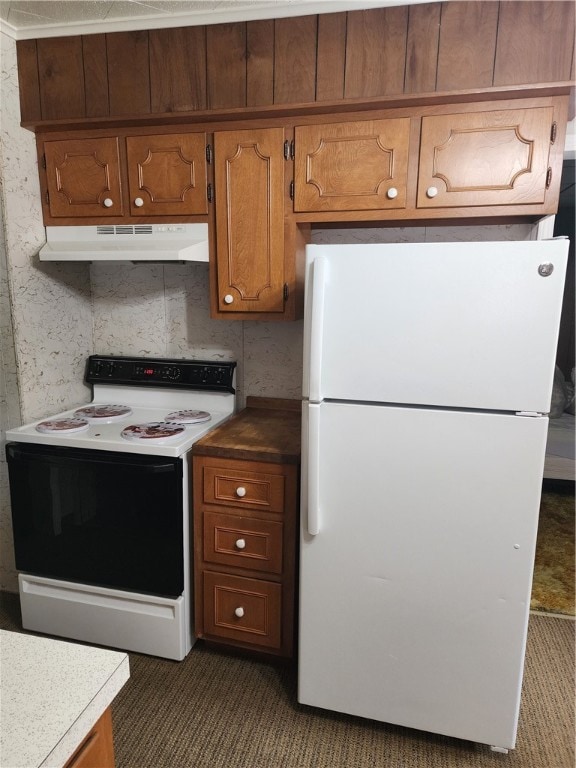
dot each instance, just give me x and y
(268, 429)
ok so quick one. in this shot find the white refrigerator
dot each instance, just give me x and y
(428, 374)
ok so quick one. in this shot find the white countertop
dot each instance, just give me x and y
(51, 694)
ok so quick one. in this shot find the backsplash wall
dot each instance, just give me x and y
(163, 311)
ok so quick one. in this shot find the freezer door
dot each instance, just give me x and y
(465, 325)
(415, 585)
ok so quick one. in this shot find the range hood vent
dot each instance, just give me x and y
(127, 243)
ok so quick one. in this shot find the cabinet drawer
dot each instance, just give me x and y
(240, 488)
(242, 542)
(246, 610)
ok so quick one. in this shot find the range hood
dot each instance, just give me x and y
(127, 242)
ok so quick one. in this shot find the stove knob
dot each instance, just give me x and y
(172, 373)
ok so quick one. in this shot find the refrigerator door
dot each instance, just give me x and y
(464, 325)
(415, 588)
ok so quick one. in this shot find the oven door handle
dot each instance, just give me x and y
(15, 453)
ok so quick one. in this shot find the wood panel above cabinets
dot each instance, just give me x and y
(326, 60)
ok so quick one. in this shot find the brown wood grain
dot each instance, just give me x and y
(178, 69)
(331, 60)
(226, 61)
(27, 58)
(260, 63)
(295, 59)
(260, 433)
(97, 749)
(376, 52)
(535, 42)
(128, 73)
(467, 45)
(95, 75)
(264, 580)
(422, 48)
(61, 76)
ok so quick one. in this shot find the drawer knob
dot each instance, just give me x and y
(432, 191)
(138, 202)
(240, 544)
(239, 612)
(108, 202)
(392, 193)
(241, 491)
(228, 299)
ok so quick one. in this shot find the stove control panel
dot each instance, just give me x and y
(161, 372)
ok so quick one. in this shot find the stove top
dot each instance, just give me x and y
(158, 407)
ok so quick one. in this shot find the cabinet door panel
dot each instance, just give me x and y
(81, 175)
(167, 174)
(249, 174)
(246, 610)
(354, 166)
(484, 158)
(243, 542)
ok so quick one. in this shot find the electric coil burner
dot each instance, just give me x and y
(101, 502)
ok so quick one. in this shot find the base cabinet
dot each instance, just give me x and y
(245, 521)
(97, 749)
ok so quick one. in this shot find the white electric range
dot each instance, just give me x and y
(101, 502)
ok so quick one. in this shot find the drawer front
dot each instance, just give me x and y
(242, 542)
(239, 488)
(245, 610)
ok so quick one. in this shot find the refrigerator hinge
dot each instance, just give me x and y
(532, 414)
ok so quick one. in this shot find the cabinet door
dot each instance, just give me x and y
(97, 749)
(356, 166)
(167, 174)
(83, 177)
(242, 609)
(484, 158)
(249, 179)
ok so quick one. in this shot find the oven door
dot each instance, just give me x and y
(97, 517)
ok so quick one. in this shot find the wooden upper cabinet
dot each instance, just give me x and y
(249, 183)
(355, 166)
(167, 174)
(121, 178)
(83, 177)
(491, 158)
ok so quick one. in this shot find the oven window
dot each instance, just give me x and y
(97, 517)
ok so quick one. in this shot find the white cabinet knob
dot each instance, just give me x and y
(240, 544)
(138, 202)
(432, 191)
(108, 202)
(228, 299)
(239, 612)
(392, 193)
(241, 491)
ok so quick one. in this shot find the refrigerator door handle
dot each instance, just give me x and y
(313, 515)
(317, 328)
